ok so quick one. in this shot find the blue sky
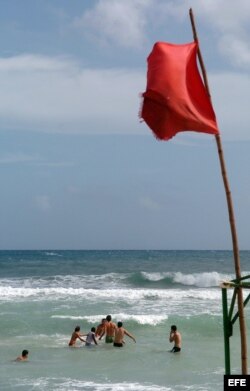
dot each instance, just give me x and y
(78, 169)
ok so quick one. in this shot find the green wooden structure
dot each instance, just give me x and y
(228, 317)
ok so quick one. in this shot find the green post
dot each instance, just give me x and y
(227, 331)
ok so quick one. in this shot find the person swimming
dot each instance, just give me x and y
(23, 356)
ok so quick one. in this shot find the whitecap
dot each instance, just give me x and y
(201, 280)
(142, 319)
(156, 276)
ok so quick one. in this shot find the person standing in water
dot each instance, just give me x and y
(119, 336)
(109, 330)
(91, 337)
(175, 337)
(100, 330)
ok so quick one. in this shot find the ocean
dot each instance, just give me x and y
(44, 295)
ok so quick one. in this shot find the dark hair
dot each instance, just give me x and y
(108, 318)
(173, 327)
(25, 353)
(93, 329)
(119, 324)
(77, 328)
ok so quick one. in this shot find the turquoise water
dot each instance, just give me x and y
(45, 294)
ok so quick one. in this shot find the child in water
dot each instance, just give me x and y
(76, 335)
(23, 356)
(90, 337)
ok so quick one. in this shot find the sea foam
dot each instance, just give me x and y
(201, 280)
(127, 295)
(143, 319)
(66, 384)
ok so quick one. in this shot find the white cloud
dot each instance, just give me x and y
(231, 96)
(10, 158)
(224, 14)
(229, 21)
(129, 23)
(43, 202)
(148, 203)
(73, 190)
(237, 50)
(17, 158)
(62, 97)
(58, 164)
(116, 21)
(35, 63)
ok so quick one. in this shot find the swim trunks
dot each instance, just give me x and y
(109, 339)
(118, 345)
(175, 349)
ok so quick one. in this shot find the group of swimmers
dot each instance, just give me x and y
(114, 333)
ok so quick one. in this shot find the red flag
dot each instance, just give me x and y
(176, 99)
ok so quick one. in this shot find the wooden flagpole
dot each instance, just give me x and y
(231, 217)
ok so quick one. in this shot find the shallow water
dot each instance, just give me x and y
(45, 294)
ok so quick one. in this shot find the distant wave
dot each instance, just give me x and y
(182, 302)
(67, 281)
(157, 276)
(201, 280)
(8, 292)
(51, 253)
(148, 280)
(151, 320)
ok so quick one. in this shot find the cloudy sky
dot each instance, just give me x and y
(78, 169)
